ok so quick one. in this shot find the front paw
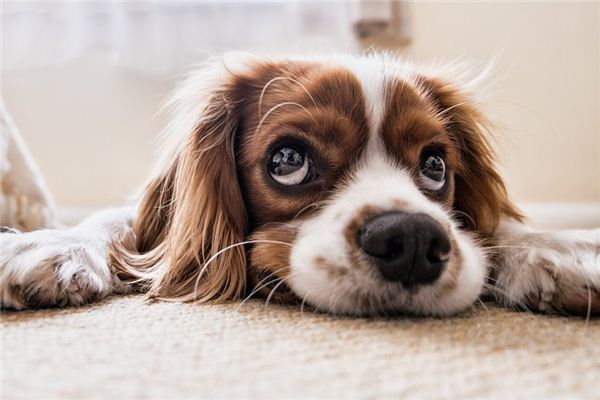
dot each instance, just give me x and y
(549, 272)
(51, 268)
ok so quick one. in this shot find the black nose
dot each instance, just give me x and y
(409, 248)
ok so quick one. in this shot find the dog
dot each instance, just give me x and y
(357, 185)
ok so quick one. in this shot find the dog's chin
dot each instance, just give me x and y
(380, 298)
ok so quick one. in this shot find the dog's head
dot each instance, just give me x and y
(355, 184)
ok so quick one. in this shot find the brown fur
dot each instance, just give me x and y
(412, 125)
(191, 212)
(480, 191)
(269, 262)
(214, 192)
(331, 120)
(329, 115)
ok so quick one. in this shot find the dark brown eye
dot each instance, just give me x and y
(290, 166)
(433, 172)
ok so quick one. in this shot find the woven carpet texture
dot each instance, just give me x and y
(125, 348)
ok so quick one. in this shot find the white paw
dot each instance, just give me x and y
(52, 268)
(549, 272)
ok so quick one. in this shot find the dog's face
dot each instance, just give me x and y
(359, 184)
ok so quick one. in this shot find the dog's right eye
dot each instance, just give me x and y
(290, 166)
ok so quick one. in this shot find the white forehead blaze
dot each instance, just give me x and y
(371, 75)
(376, 75)
(380, 183)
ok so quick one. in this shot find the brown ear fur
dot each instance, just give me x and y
(191, 212)
(479, 192)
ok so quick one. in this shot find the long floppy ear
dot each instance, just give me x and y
(480, 194)
(192, 214)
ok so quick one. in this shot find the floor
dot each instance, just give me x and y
(126, 348)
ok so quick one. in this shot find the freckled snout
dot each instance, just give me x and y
(408, 248)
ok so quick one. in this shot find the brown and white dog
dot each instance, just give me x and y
(357, 185)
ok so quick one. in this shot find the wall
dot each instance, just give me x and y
(91, 126)
(546, 101)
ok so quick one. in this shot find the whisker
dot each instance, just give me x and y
(440, 115)
(471, 220)
(487, 312)
(495, 289)
(315, 204)
(330, 303)
(491, 278)
(588, 314)
(513, 247)
(262, 94)
(264, 90)
(505, 295)
(218, 253)
(278, 224)
(286, 103)
(258, 286)
(273, 291)
(448, 109)
(303, 301)
(257, 289)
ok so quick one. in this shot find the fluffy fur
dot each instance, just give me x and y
(212, 225)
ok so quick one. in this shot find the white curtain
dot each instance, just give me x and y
(163, 38)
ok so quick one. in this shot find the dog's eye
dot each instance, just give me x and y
(290, 166)
(433, 172)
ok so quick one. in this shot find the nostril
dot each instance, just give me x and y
(381, 244)
(439, 251)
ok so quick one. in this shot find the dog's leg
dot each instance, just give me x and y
(546, 271)
(59, 267)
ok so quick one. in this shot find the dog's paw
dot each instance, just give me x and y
(549, 272)
(52, 268)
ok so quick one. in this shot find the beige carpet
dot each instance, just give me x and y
(124, 348)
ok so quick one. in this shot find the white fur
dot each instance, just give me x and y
(61, 266)
(545, 270)
(69, 266)
(372, 77)
(377, 183)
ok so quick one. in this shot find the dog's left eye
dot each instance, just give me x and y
(290, 166)
(433, 172)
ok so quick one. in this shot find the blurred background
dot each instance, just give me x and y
(84, 80)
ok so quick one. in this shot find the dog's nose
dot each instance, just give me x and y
(409, 248)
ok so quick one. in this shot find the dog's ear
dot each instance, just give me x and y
(192, 215)
(480, 195)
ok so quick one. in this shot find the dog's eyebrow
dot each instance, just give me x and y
(279, 78)
(337, 89)
(410, 122)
